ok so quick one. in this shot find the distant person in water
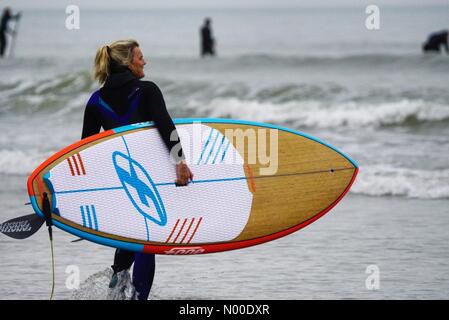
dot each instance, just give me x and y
(4, 29)
(435, 41)
(207, 40)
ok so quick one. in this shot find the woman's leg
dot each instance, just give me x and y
(143, 274)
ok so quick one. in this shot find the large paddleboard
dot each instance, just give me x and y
(253, 182)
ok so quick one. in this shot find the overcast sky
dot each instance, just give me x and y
(24, 4)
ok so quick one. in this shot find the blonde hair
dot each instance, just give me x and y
(121, 51)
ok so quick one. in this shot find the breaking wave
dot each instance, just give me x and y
(325, 115)
(383, 180)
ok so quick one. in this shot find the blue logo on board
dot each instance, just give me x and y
(140, 188)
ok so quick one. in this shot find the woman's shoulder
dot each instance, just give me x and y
(148, 86)
(94, 98)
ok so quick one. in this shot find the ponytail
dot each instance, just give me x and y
(101, 69)
(120, 51)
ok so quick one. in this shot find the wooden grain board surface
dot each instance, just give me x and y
(310, 177)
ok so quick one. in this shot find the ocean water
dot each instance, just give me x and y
(371, 94)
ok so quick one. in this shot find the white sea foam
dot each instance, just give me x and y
(95, 287)
(21, 162)
(329, 114)
(75, 105)
(386, 180)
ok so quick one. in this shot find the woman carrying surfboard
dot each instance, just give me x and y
(125, 99)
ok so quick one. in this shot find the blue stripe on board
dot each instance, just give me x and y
(224, 152)
(88, 217)
(130, 246)
(218, 151)
(94, 214)
(88, 190)
(164, 184)
(219, 180)
(213, 146)
(148, 230)
(83, 216)
(126, 146)
(133, 126)
(205, 147)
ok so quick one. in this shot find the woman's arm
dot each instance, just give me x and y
(164, 124)
(91, 123)
(162, 120)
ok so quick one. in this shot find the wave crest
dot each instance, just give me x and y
(324, 115)
(382, 180)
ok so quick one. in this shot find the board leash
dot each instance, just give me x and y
(47, 214)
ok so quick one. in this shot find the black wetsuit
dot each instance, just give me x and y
(435, 41)
(125, 100)
(207, 41)
(3, 29)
